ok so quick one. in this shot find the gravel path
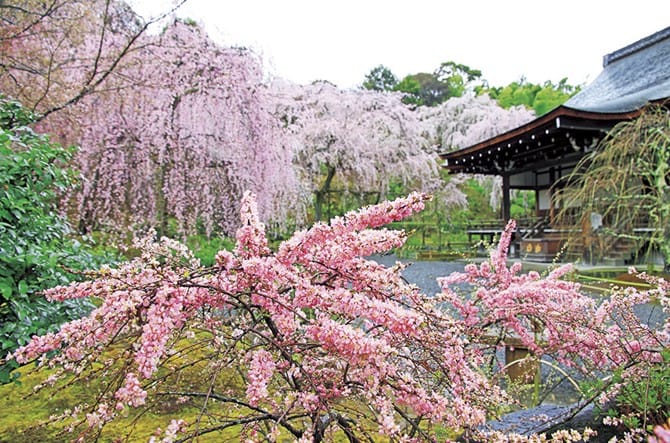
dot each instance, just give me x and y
(424, 274)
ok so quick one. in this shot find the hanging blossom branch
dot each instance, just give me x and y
(183, 141)
(56, 53)
(97, 76)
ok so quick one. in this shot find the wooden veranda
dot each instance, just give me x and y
(536, 239)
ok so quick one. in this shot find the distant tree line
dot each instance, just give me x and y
(453, 79)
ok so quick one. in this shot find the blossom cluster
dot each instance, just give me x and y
(309, 327)
(315, 328)
(550, 315)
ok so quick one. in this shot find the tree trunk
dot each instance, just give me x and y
(163, 171)
(321, 193)
(161, 201)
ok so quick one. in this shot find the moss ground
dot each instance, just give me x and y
(25, 414)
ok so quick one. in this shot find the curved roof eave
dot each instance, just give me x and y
(548, 119)
(631, 78)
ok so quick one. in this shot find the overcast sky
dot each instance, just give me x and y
(341, 41)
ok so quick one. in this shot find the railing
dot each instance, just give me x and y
(524, 226)
(435, 237)
(536, 227)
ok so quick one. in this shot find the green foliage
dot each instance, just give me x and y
(411, 87)
(640, 403)
(479, 208)
(522, 204)
(205, 249)
(445, 228)
(35, 250)
(457, 77)
(451, 79)
(380, 78)
(540, 98)
(431, 91)
(649, 398)
(28, 411)
(625, 180)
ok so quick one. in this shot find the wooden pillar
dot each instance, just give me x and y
(505, 198)
(551, 196)
(519, 370)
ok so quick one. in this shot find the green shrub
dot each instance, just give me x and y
(640, 402)
(646, 402)
(205, 249)
(36, 250)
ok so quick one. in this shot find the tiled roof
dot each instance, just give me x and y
(631, 77)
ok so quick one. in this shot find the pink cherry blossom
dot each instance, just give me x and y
(261, 368)
(131, 392)
(325, 341)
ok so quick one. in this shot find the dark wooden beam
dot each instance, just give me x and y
(506, 202)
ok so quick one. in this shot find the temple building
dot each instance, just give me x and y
(538, 155)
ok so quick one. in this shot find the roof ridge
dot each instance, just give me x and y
(636, 46)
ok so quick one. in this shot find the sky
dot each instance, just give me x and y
(341, 41)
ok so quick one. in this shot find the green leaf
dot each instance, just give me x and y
(6, 289)
(23, 287)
